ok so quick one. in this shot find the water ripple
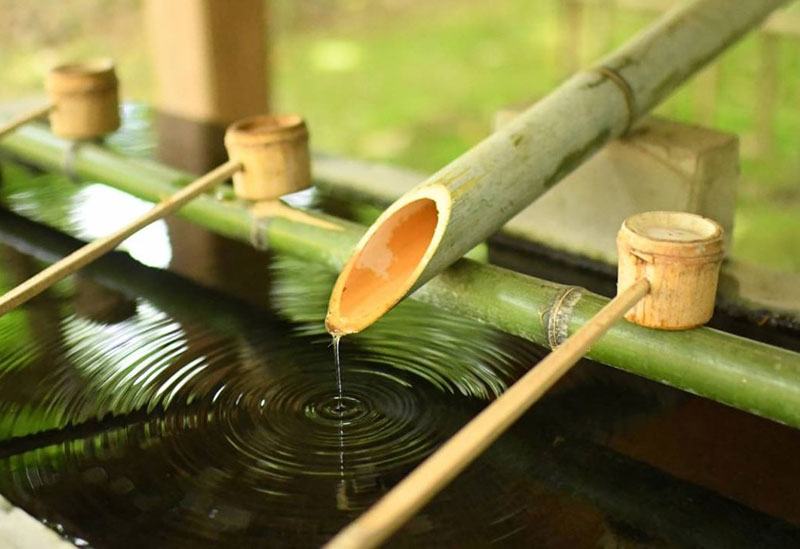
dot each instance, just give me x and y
(236, 432)
(201, 425)
(453, 353)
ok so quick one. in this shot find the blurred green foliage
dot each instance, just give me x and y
(416, 83)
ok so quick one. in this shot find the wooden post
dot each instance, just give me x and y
(209, 57)
(210, 62)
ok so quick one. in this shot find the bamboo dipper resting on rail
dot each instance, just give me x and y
(436, 223)
(83, 101)
(668, 269)
(268, 157)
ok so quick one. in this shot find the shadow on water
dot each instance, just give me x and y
(198, 407)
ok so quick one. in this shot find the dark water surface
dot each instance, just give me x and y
(139, 408)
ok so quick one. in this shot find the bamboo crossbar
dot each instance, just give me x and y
(755, 377)
(380, 521)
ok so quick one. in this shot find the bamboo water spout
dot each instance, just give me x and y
(261, 153)
(680, 238)
(472, 197)
(748, 375)
(83, 101)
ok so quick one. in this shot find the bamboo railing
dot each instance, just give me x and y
(752, 376)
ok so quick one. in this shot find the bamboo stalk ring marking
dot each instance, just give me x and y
(68, 161)
(627, 92)
(559, 313)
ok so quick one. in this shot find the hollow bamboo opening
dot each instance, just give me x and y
(93, 76)
(384, 269)
(673, 226)
(264, 129)
(93, 66)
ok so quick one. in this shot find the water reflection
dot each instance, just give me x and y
(139, 409)
(86, 211)
(226, 435)
(99, 210)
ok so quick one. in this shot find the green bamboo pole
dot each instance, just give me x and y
(476, 194)
(748, 375)
(752, 376)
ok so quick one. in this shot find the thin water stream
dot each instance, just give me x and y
(141, 409)
(336, 339)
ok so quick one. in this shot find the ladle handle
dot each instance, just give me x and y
(24, 118)
(415, 490)
(88, 253)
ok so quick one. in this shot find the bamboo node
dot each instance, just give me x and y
(627, 92)
(258, 228)
(68, 161)
(559, 315)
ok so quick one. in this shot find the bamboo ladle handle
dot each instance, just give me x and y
(88, 253)
(414, 491)
(24, 118)
(269, 152)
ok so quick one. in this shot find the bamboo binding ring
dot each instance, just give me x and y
(84, 98)
(273, 150)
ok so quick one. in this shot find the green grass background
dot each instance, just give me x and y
(415, 83)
